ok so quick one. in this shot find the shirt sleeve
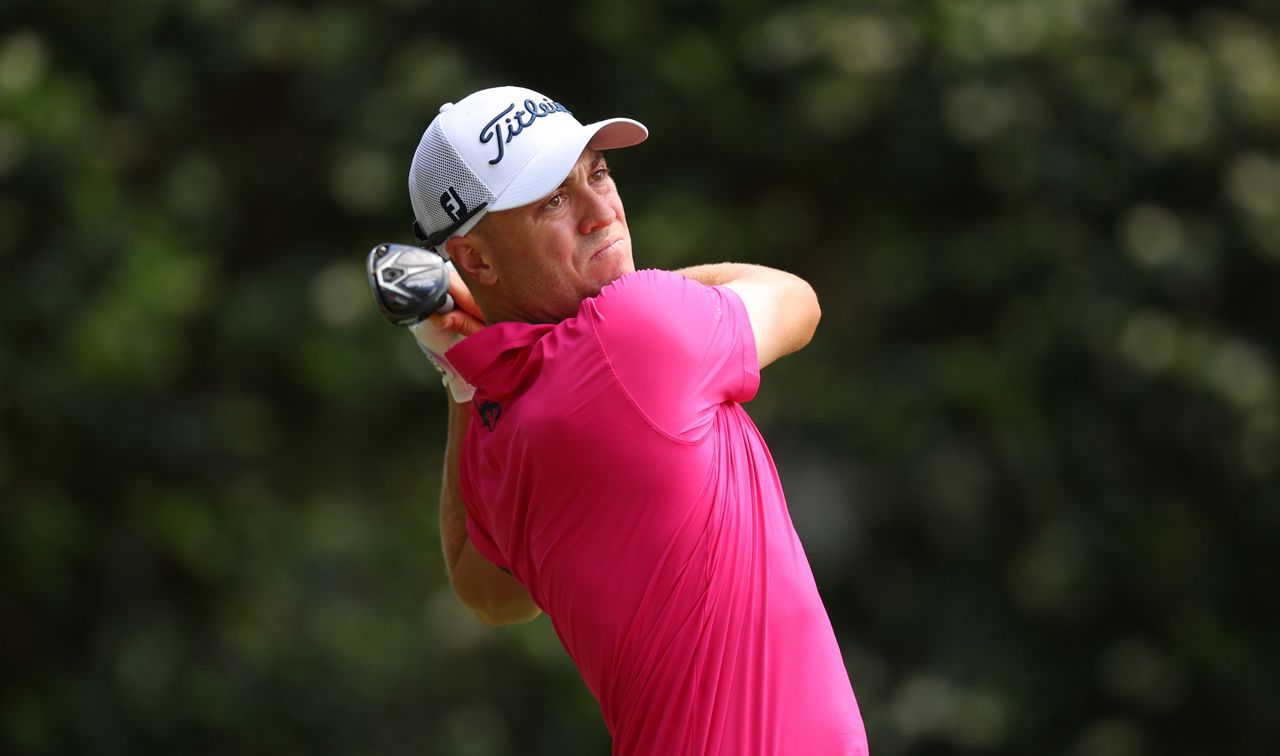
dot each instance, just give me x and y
(678, 348)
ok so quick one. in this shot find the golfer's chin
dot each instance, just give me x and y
(610, 264)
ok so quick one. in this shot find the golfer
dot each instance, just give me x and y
(605, 471)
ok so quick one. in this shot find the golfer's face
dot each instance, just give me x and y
(566, 246)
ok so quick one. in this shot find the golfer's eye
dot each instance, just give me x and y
(554, 202)
(600, 175)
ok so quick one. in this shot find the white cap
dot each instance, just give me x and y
(497, 149)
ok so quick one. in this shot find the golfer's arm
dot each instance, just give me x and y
(783, 308)
(494, 596)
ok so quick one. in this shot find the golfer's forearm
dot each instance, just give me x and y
(718, 274)
(453, 516)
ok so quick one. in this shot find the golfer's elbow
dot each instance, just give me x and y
(499, 615)
(501, 602)
(510, 618)
(797, 315)
(490, 592)
(811, 313)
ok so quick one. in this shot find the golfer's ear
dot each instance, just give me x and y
(472, 258)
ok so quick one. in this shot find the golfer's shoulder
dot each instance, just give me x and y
(655, 314)
(649, 298)
(641, 284)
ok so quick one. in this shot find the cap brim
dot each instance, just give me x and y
(549, 167)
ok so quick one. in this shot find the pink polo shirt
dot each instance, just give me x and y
(610, 467)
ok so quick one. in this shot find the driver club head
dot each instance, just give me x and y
(408, 283)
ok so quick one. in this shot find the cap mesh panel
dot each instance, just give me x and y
(437, 168)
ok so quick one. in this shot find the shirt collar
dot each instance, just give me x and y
(476, 356)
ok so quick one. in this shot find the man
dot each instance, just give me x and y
(605, 471)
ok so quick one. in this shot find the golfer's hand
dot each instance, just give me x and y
(440, 331)
(465, 318)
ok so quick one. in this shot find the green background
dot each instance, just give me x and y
(1033, 451)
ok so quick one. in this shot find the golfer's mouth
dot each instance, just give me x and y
(606, 249)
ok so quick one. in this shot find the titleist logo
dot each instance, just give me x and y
(507, 127)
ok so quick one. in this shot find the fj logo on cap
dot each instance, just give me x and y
(453, 204)
(507, 127)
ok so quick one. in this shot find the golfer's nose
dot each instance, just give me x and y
(598, 212)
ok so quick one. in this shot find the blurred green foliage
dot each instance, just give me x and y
(1034, 451)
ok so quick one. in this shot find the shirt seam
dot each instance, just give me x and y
(635, 404)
